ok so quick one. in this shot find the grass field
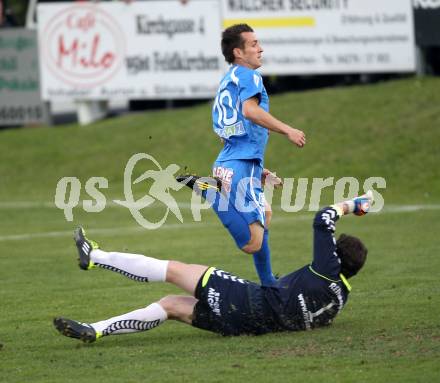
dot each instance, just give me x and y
(388, 332)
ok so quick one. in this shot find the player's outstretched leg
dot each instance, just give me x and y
(135, 321)
(175, 307)
(133, 266)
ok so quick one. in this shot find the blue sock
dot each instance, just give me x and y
(262, 262)
(230, 217)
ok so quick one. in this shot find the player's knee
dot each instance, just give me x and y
(173, 271)
(171, 306)
(253, 245)
(179, 307)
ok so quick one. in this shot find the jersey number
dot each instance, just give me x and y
(219, 104)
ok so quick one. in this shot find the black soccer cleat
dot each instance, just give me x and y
(75, 329)
(85, 247)
(199, 184)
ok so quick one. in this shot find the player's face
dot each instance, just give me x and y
(250, 56)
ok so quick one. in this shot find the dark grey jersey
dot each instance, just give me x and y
(313, 295)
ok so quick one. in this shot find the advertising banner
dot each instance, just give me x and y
(20, 101)
(329, 36)
(137, 50)
(427, 22)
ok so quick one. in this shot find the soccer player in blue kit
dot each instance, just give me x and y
(220, 302)
(242, 120)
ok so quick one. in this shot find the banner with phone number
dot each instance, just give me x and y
(331, 36)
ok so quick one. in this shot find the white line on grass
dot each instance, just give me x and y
(114, 231)
(403, 208)
(389, 209)
(109, 231)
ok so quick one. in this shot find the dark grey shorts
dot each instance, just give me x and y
(228, 304)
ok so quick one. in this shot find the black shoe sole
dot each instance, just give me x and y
(66, 328)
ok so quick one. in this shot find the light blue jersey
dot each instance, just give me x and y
(242, 138)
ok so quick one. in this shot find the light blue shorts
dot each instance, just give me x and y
(241, 183)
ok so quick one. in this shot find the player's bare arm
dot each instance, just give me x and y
(253, 112)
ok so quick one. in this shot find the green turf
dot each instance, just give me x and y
(389, 331)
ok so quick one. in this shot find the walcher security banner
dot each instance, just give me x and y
(329, 36)
(154, 49)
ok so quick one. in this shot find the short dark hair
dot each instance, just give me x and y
(231, 39)
(352, 253)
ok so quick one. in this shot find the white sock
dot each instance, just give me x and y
(134, 266)
(134, 321)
